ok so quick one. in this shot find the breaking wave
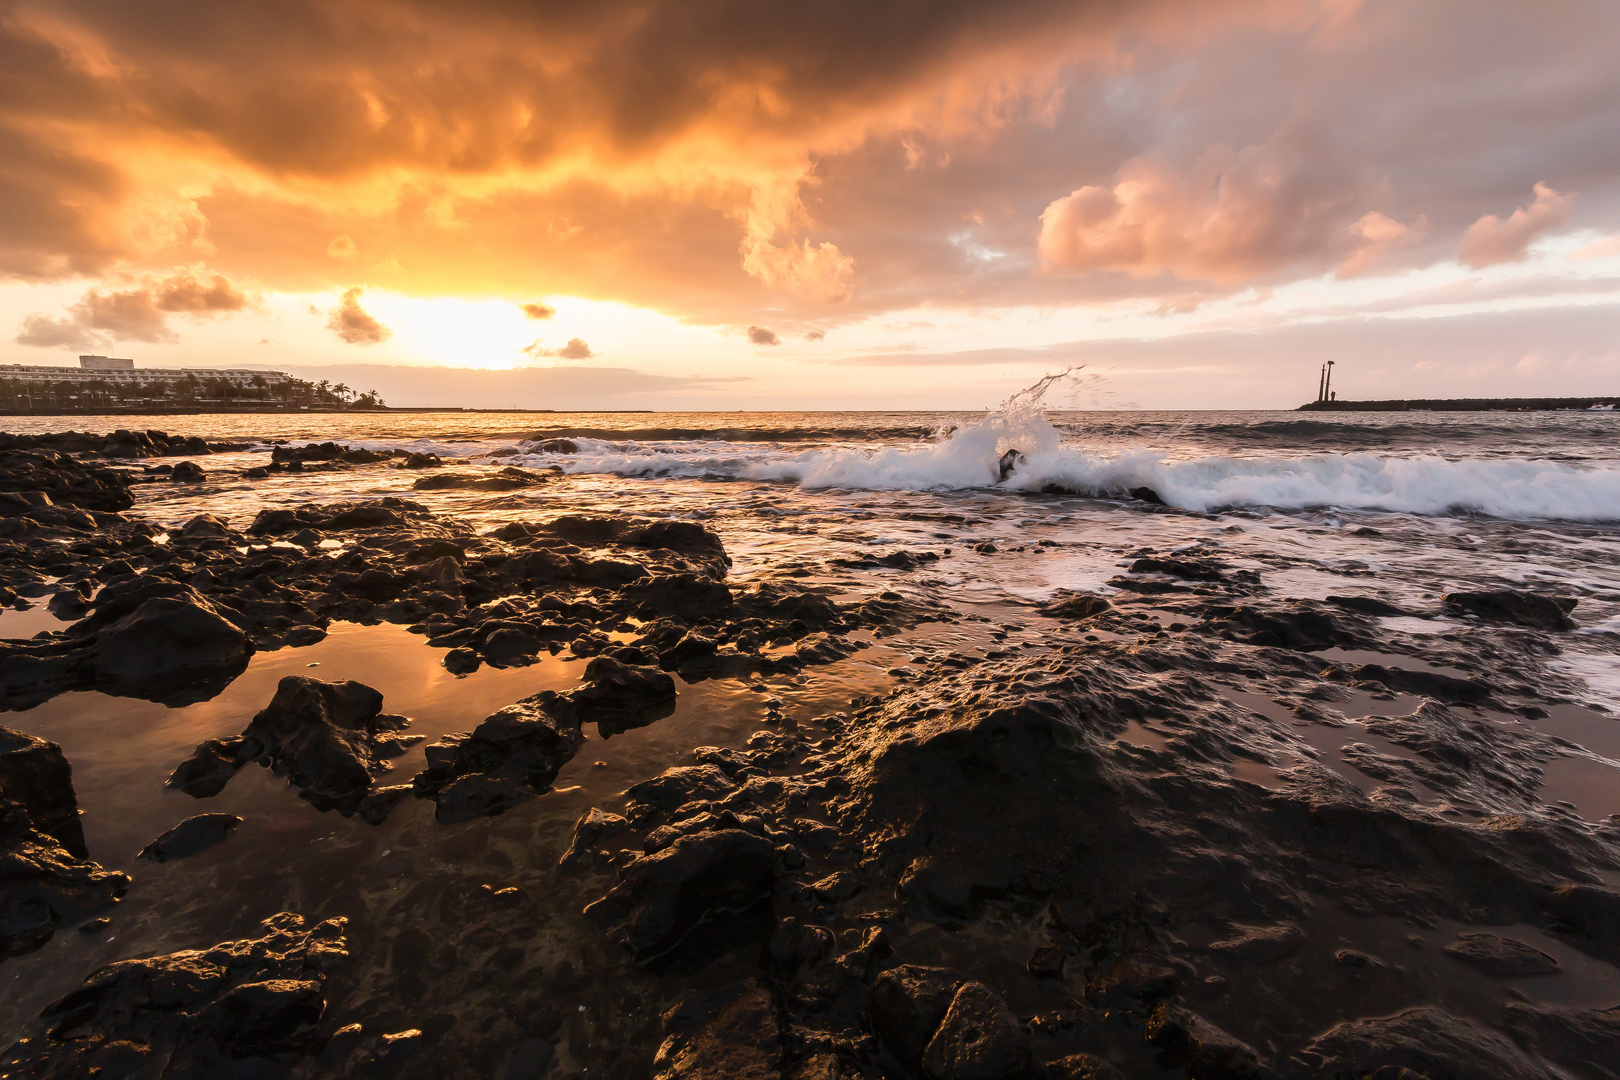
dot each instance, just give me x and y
(970, 458)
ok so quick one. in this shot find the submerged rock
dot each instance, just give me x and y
(191, 836)
(1426, 1041)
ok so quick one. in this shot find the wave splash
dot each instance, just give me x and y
(970, 457)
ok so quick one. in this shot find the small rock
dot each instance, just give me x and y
(191, 836)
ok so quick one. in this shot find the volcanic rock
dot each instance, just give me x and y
(191, 836)
(908, 1002)
(42, 885)
(515, 751)
(979, 1038)
(329, 739)
(659, 897)
(171, 649)
(618, 696)
(1427, 1041)
(200, 1013)
(35, 775)
(506, 479)
(1513, 606)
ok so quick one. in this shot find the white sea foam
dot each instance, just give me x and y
(968, 459)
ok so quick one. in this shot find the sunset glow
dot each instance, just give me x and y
(857, 182)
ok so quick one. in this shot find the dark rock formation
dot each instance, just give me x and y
(36, 776)
(1513, 606)
(660, 897)
(43, 886)
(239, 1008)
(514, 752)
(506, 479)
(171, 648)
(330, 740)
(191, 836)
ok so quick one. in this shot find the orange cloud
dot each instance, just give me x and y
(1491, 240)
(138, 314)
(352, 323)
(1234, 217)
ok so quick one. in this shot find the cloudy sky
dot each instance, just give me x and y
(873, 204)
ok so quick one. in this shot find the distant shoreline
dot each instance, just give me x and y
(1463, 405)
(293, 411)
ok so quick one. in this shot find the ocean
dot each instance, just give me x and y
(991, 519)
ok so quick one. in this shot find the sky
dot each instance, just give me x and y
(724, 204)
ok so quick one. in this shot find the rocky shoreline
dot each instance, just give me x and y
(1198, 828)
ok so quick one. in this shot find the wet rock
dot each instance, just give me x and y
(908, 1002)
(594, 826)
(556, 446)
(399, 1045)
(730, 1034)
(1427, 1041)
(46, 478)
(206, 527)
(477, 795)
(1187, 569)
(660, 897)
(1590, 914)
(1188, 1041)
(506, 479)
(1077, 605)
(1147, 495)
(978, 1039)
(42, 885)
(191, 836)
(690, 596)
(35, 775)
(1432, 684)
(330, 740)
(461, 661)
(618, 696)
(1584, 1041)
(210, 767)
(1501, 957)
(679, 785)
(171, 649)
(1260, 944)
(380, 801)
(1513, 606)
(692, 648)
(1366, 605)
(201, 1013)
(1297, 625)
(188, 472)
(515, 751)
(1083, 1067)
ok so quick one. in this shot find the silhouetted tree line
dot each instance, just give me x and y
(191, 391)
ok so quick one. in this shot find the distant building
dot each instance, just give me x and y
(123, 374)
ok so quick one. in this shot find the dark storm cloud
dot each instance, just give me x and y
(735, 162)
